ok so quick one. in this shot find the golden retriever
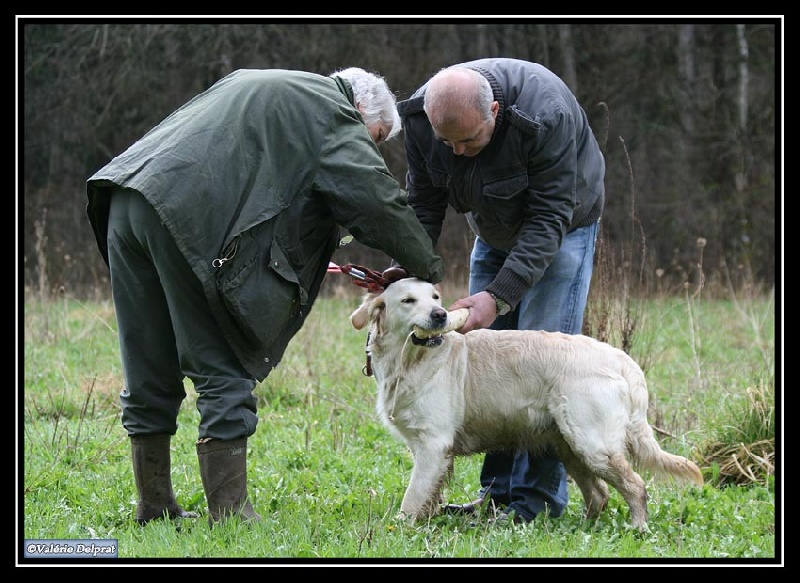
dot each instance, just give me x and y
(448, 394)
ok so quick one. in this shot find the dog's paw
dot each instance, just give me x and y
(455, 320)
(404, 517)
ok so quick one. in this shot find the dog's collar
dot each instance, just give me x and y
(367, 369)
(432, 341)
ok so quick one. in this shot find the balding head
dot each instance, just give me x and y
(454, 91)
(460, 106)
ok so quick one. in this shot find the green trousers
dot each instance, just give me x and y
(167, 333)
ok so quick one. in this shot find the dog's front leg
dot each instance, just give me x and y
(431, 465)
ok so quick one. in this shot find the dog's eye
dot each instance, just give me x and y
(436, 297)
(408, 300)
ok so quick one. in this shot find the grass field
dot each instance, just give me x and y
(328, 478)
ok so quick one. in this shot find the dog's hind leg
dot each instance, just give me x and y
(431, 466)
(620, 474)
(590, 468)
(594, 490)
(594, 430)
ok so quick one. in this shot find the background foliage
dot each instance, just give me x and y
(685, 112)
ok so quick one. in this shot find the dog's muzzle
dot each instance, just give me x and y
(442, 322)
(429, 341)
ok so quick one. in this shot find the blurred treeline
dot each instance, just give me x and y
(684, 110)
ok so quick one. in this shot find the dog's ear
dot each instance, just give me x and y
(360, 317)
(369, 309)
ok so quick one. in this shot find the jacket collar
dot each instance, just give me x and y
(498, 97)
(344, 86)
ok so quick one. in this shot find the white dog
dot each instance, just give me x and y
(448, 394)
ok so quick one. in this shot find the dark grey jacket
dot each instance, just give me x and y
(252, 179)
(540, 176)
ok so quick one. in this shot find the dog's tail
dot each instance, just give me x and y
(647, 454)
(645, 451)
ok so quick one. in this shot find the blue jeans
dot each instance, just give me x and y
(525, 483)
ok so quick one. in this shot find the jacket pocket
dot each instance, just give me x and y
(259, 288)
(506, 198)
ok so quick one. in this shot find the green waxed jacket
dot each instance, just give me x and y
(253, 179)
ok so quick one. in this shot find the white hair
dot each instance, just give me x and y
(376, 100)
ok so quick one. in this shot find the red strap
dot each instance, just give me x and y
(370, 280)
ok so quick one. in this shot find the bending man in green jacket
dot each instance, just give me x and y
(217, 227)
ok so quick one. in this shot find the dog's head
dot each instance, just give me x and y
(406, 306)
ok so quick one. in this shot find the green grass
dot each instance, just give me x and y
(328, 478)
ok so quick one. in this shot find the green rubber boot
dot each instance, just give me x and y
(151, 471)
(223, 468)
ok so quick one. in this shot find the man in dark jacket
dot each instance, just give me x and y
(218, 226)
(505, 142)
